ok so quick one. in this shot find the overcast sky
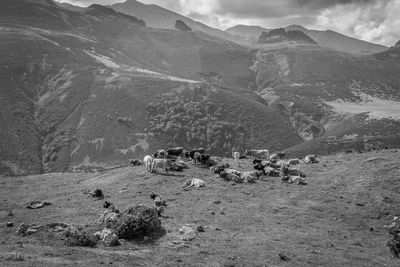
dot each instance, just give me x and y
(375, 21)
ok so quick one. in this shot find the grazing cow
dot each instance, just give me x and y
(135, 162)
(200, 158)
(191, 153)
(195, 183)
(293, 161)
(260, 153)
(148, 161)
(236, 156)
(175, 152)
(160, 154)
(311, 159)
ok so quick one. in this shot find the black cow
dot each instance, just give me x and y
(175, 152)
(191, 153)
(160, 154)
(200, 158)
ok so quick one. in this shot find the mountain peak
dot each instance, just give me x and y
(280, 34)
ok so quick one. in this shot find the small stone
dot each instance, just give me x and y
(283, 257)
(22, 228)
(217, 202)
(10, 224)
(200, 229)
(31, 231)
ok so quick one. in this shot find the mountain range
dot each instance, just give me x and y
(97, 86)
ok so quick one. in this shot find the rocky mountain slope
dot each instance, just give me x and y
(161, 18)
(80, 87)
(330, 94)
(327, 38)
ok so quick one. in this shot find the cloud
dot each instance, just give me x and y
(376, 22)
(371, 20)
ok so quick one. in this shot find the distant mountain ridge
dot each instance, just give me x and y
(279, 35)
(327, 38)
(159, 17)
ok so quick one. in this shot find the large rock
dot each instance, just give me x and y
(180, 25)
(135, 222)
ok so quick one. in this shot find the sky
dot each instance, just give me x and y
(376, 21)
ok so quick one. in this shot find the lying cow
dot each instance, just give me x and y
(219, 168)
(190, 154)
(269, 171)
(195, 183)
(235, 172)
(175, 152)
(251, 177)
(158, 164)
(135, 162)
(260, 153)
(311, 159)
(294, 180)
(230, 177)
(293, 161)
(286, 171)
(148, 161)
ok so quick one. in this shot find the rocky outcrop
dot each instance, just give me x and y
(182, 26)
(281, 35)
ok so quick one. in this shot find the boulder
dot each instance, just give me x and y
(135, 222)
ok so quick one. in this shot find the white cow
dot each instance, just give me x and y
(148, 161)
(236, 156)
(195, 183)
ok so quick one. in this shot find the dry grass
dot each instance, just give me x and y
(336, 220)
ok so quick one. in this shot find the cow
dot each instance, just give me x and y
(230, 177)
(273, 158)
(219, 168)
(195, 183)
(236, 156)
(158, 202)
(251, 177)
(311, 159)
(160, 154)
(135, 162)
(175, 152)
(238, 173)
(191, 153)
(269, 171)
(294, 180)
(293, 161)
(286, 171)
(148, 161)
(161, 164)
(200, 158)
(260, 153)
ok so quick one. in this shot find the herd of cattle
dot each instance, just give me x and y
(174, 159)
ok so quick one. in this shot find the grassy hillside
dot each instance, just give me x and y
(338, 217)
(76, 90)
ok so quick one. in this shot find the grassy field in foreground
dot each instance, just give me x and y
(336, 220)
